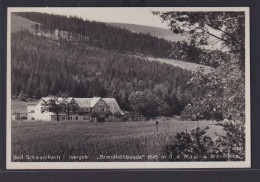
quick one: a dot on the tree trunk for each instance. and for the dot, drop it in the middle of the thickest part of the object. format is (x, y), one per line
(68, 113)
(57, 114)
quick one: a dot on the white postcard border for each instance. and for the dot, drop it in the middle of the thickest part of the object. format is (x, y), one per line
(131, 165)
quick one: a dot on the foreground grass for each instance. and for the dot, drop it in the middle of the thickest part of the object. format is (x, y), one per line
(80, 138)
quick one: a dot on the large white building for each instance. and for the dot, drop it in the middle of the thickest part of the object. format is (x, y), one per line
(95, 109)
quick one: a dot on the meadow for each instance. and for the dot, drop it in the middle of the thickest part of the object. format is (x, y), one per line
(44, 141)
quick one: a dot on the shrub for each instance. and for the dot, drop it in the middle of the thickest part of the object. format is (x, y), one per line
(196, 146)
(233, 143)
(133, 116)
(190, 146)
(203, 108)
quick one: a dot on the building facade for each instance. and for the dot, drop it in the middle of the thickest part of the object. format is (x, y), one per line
(90, 109)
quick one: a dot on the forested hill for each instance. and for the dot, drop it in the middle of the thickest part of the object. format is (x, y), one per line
(70, 56)
(99, 34)
(41, 67)
(111, 37)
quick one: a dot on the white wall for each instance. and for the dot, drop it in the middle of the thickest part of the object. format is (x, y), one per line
(30, 108)
(38, 115)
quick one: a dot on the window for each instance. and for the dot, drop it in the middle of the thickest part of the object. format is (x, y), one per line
(70, 117)
(101, 103)
(85, 117)
(76, 117)
(63, 118)
(104, 109)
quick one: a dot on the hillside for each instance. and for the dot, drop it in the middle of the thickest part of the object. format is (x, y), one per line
(19, 23)
(114, 38)
(154, 31)
(100, 60)
(181, 64)
(40, 66)
(97, 34)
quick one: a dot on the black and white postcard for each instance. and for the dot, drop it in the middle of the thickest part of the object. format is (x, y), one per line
(128, 88)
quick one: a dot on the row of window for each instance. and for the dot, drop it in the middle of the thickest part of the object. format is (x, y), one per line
(85, 109)
(100, 109)
(76, 118)
(61, 117)
(96, 109)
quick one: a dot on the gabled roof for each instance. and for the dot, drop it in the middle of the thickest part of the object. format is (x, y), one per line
(52, 97)
(87, 102)
(58, 98)
(113, 105)
(83, 102)
(94, 100)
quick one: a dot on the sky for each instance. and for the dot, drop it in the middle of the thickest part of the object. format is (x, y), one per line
(140, 16)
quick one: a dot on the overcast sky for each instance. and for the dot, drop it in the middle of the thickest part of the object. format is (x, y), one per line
(140, 16)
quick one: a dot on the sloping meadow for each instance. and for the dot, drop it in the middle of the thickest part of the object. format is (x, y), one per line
(109, 141)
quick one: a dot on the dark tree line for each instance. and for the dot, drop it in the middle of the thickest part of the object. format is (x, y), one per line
(99, 34)
(41, 67)
(108, 37)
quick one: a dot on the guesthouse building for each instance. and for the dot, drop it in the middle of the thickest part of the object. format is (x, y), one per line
(90, 109)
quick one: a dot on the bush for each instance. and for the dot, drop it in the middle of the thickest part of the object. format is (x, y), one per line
(234, 141)
(190, 146)
(196, 146)
(133, 116)
(203, 108)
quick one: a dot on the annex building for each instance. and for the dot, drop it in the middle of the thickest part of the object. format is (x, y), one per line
(92, 109)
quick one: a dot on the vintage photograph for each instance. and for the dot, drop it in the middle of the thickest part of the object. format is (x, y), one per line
(92, 88)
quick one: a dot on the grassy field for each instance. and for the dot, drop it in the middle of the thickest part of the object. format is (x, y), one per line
(180, 64)
(19, 23)
(79, 138)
